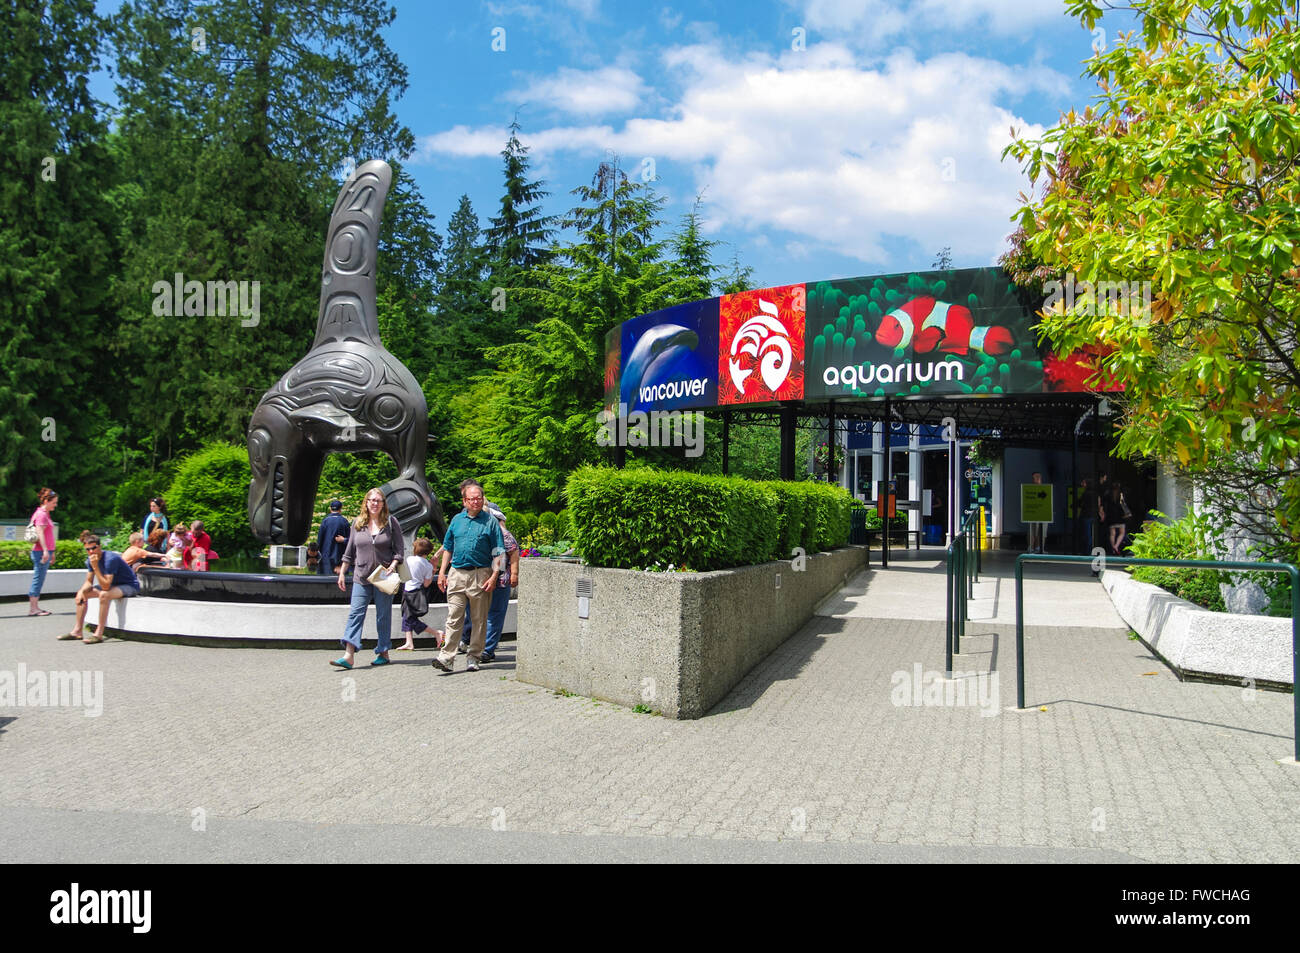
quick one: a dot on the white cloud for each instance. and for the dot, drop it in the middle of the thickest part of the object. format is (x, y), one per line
(836, 153)
(869, 22)
(585, 92)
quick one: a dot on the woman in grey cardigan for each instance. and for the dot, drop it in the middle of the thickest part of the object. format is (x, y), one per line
(376, 540)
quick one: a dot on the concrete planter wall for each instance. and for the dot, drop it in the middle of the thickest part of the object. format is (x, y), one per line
(674, 642)
(1199, 643)
(58, 582)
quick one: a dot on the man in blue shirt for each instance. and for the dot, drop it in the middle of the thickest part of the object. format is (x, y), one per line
(500, 603)
(109, 577)
(333, 538)
(475, 550)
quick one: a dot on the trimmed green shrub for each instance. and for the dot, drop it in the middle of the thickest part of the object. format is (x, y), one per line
(1188, 538)
(825, 517)
(212, 485)
(644, 517)
(874, 521)
(68, 554)
(791, 507)
(521, 524)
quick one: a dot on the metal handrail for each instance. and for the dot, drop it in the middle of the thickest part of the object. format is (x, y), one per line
(963, 573)
(1108, 561)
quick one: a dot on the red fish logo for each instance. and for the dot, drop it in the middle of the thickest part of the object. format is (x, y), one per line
(929, 325)
(763, 337)
(761, 346)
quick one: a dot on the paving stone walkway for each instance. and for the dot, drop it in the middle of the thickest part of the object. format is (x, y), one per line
(819, 743)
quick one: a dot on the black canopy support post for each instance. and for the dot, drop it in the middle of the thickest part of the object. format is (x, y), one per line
(882, 505)
(787, 443)
(831, 470)
(620, 445)
(954, 479)
(1096, 443)
(1073, 496)
(726, 442)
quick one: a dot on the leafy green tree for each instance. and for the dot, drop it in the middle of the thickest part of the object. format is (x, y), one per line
(212, 485)
(1184, 173)
(56, 256)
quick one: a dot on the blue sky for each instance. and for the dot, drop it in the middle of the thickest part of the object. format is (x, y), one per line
(827, 138)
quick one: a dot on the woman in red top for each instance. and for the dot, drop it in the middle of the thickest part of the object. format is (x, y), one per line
(42, 549)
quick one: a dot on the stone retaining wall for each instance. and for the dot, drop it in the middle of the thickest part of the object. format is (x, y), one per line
(1203, 644)
(673, 642)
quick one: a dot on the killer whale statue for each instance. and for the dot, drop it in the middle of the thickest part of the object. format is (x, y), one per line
(347, 394)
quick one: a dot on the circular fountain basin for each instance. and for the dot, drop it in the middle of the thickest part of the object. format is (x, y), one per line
(266, 588)
(266, 610)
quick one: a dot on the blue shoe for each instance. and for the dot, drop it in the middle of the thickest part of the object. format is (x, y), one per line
(341, 663)
(379, 660)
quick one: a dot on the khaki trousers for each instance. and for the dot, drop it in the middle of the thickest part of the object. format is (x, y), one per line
(466, 586)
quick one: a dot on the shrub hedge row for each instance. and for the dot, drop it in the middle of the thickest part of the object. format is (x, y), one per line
(68, 554)
(637, 519)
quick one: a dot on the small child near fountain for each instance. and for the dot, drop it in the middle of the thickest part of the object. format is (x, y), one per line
(415, 598)
(178, 541)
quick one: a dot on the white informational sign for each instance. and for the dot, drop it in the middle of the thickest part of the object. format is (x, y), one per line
(16, 530)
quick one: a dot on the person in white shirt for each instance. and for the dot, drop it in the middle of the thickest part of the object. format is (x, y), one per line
(421, 570)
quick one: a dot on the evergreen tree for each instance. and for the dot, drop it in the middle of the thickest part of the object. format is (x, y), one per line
(462, 311)
(534, 419)
(409, 252)
(519, 235)
(516, 240)
(236, 117)
(463, 301)
(56, 255)
(694, 261)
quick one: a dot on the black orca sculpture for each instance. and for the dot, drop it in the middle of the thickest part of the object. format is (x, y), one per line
(347, 394)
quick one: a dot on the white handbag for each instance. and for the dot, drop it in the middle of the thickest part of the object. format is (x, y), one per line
(389, 582)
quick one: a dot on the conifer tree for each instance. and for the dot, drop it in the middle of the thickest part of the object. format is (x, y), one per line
(56, 257)
(516, 240)
(238, 119)
(534, 419)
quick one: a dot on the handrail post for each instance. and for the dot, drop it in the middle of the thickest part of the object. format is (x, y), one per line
(1295, 657)
(1020, 632)
(970, 567)
(948, 629)
(1291, 569)
(956, 597)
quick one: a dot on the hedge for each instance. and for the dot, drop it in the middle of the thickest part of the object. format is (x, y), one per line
(212, 485)
(637, 519)
(68, 554)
